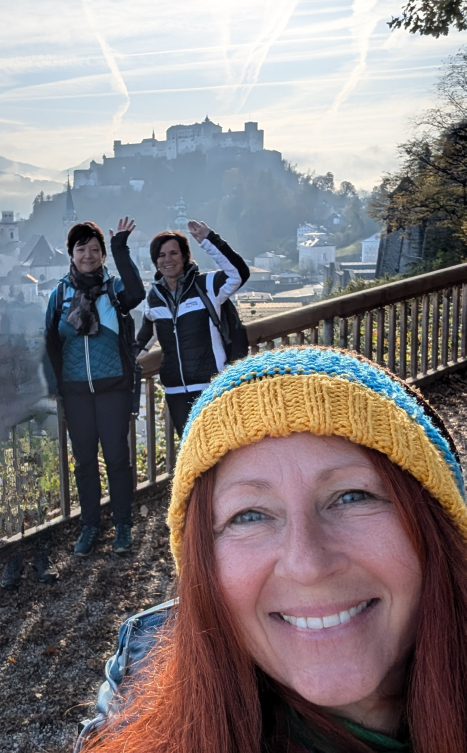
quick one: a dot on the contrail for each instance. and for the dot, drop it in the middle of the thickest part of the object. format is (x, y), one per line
(278, 16)
(118, 83)
(363, 25)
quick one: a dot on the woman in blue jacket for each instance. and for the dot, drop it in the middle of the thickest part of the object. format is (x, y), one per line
(93, 372)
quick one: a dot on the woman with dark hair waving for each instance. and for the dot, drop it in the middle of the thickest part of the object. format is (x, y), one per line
(92, 370)
(191, 344)
(319, 528)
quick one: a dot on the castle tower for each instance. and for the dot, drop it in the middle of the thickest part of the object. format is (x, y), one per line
(70, 217)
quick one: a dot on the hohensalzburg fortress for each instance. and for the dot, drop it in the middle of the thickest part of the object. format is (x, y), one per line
(182, 139)
(206, 138)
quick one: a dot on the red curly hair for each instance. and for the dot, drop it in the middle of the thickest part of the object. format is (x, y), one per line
(201, 693)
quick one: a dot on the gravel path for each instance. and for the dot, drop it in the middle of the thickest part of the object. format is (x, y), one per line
(55, 640)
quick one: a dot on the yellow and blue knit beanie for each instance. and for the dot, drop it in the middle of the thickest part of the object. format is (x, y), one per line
(323, 391)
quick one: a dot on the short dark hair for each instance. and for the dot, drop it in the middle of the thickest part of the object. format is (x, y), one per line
(82, 233)
(170, 235)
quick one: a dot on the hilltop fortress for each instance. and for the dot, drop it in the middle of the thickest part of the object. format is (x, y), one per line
(207, 138)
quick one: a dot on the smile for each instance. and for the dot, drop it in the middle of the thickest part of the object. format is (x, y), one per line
(331, 620)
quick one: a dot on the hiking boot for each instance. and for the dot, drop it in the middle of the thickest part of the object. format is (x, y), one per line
(46, 572)
(11, 575)
(85, 543)
(123, 540)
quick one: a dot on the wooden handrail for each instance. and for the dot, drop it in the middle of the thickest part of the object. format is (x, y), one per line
(280, 325)
(355, 303)
(416, 327)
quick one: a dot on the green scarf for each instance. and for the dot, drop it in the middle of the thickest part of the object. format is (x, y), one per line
(315, 742)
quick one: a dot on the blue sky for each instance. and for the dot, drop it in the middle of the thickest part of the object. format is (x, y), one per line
(328, 82)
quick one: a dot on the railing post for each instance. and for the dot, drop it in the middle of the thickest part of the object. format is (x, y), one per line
(314, 336)
(328, 331)
(300, 337)
(435, 333)
(132, 444)
(356, 333)
(464, 322)
(63, 462)
(285, 340)
(254, 349)
(414, 338)
(343, 333)
(392, 338)
(403, 340)
(169, 442)
(151, 429)
(380, 337)
(455, 324)
(445, 328)
(425, 323)
(369, 334)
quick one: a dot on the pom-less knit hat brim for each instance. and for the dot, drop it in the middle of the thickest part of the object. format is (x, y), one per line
(323, 391)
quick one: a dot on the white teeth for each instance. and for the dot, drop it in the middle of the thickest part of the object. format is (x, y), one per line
(315, 623)
(332, 620)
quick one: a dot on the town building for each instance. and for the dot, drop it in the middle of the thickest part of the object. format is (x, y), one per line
(9, 232)
(370, 248)
(269, 261)
(314, 253)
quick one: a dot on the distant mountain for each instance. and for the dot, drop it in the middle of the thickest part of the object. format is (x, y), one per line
(28, 171)
(20, 183)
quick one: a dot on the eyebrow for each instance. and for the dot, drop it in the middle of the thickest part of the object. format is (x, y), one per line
(264, 485)
(257, 483)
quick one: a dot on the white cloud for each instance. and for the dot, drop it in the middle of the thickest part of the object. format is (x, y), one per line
(326, 81)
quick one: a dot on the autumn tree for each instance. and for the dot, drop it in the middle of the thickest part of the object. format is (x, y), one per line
(430, 189)
(432, 17)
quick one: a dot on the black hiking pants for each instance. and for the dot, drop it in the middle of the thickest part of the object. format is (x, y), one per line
(101, 416)
(179, 408)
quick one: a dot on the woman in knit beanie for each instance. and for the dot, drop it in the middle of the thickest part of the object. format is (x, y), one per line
(318, 526)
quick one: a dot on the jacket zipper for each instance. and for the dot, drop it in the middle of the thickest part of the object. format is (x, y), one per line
(174, 317)
(88, 363)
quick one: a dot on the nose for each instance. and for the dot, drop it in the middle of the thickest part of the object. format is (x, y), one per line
(309, 553)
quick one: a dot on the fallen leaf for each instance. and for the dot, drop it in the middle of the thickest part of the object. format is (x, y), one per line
(12, 659)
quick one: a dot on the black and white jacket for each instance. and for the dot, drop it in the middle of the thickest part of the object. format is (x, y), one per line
(191, 345)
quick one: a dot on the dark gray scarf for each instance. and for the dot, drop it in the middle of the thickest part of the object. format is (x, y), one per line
(82, 314)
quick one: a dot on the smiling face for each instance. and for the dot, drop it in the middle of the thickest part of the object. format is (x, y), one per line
(170, 261)
(317, 570)
(88, 257)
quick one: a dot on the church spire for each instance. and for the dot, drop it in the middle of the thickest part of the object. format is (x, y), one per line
(69, 216)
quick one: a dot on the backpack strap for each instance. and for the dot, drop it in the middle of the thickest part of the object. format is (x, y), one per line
(221, 324)
(209, 306)
(60, 292)
(110, 290)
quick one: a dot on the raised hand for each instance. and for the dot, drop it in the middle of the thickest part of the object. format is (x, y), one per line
(199, 230)
(124, 226)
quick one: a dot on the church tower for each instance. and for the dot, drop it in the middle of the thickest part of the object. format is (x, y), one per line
(181, 222)
(70, 217)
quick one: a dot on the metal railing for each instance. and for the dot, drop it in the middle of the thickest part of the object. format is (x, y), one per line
(416, 327)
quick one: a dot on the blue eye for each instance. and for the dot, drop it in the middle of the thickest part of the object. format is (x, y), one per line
(249, 516)
(354, 496)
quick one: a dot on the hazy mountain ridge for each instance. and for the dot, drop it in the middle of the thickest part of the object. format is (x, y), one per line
(21, 182)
